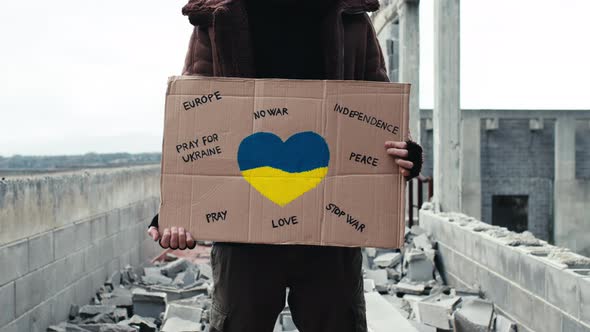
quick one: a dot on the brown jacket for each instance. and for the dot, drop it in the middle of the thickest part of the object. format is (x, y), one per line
(221, 43)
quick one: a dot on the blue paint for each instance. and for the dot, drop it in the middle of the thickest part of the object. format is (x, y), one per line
(301, 152)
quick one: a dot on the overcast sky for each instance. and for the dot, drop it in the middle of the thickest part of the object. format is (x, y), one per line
(90, 75)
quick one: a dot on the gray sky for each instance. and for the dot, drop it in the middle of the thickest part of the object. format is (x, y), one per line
(90, 76)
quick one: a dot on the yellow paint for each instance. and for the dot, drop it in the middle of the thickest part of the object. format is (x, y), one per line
(283, 187)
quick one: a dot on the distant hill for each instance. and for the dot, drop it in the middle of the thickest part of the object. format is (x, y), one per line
(90, 160)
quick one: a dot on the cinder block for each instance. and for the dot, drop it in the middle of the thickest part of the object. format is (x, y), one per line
(41, 316)
(510, 262)
(489, 254)
(107, 250)
(14, 261)
(125, 217)
(98, 277)
(62, 302)
(83, 290)
(532, 275)
(19, 325)
(83, 237)
(69, 269)
(41, 250)
(466, 269)
(7, 304)
(584, 285)
(35, 288)
(446, 258)
(520, 304)
(112, 222)
(134, 256)
(562, 290)
(570, 325)
(547, 317)
(64, 241)
(91, 258)
(98, 228)
(495, 288)
(112, 266)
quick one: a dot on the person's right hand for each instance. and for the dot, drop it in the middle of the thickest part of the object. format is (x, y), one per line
(173, 238)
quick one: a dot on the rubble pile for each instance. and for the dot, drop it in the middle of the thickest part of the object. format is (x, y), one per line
(410, 280)
(174, 295)
(170, 296)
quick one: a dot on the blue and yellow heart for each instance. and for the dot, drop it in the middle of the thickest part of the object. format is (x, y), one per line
(282, 171)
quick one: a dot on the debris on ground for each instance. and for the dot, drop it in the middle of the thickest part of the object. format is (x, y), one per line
(410, 281)
(173, 294)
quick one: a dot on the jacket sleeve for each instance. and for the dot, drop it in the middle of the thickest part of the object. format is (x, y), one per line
(199, 57)
(375, 69)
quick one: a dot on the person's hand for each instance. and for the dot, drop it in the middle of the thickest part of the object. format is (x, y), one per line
(400, 153)
(173, 238)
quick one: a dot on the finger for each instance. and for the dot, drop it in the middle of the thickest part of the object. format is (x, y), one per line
(173, 238)
(402, 153)
(395, 144)
(181, 238)
(404, 163)
(153, 233)
(165, 241)
(190, 241)
(404, 172)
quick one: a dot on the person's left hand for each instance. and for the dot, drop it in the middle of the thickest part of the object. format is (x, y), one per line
(400, 153)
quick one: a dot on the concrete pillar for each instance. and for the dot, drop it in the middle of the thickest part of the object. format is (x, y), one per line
(564, 191)
(409, 58)
(447, 111)
(471, 167)
(565, 149)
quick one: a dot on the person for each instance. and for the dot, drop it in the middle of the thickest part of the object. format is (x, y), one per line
(294, 39)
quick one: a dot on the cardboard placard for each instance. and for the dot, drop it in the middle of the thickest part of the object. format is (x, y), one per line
(284, 161)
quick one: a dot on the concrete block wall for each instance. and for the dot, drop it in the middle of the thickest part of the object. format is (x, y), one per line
(42, 274)
(529, 284)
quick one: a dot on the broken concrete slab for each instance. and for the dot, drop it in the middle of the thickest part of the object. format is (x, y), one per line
(192, 313)
(148, 304)
(142, 323)
(120, 297)
(184, 279)
(369, 285)
(407, 288)
(504, 324)
(175, 267)
(475, 315)
(422, 242)
(382, 316)
(174, 293)
(91, 310)
(437, 311)
(107, 328)
(418, 266)
(389, 259)
(66, 327)
(175, 324)
(114, 280)
(121, 314)
(155, 279)
(379, 276)
(423, 327)
(152, 271)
